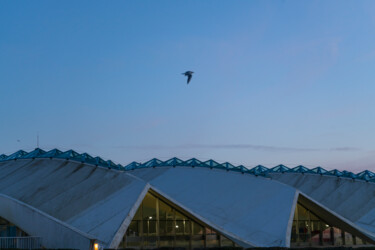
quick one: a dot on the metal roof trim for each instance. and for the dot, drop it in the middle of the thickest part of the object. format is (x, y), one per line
(365, 175)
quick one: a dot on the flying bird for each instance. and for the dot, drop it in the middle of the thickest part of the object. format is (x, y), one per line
(189, 75)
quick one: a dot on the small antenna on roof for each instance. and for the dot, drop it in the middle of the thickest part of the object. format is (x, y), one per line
(37, 139)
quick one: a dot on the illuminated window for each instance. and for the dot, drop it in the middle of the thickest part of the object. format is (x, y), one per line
(160, 224)
(309, 230)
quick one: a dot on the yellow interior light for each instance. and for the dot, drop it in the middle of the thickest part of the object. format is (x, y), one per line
(96, 246)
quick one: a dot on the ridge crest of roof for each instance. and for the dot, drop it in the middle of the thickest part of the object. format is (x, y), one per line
(72, 155)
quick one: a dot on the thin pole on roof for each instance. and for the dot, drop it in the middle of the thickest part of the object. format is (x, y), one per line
(37, 139)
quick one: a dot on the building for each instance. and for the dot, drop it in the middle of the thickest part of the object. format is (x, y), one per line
(60, 199)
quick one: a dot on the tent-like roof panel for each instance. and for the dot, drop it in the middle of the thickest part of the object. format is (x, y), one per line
(351, 198)
(81, 195)
(226, 201)
(95, 196)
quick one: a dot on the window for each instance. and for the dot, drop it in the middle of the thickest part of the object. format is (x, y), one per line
(158, 224)
(7, 229)
(309, 230)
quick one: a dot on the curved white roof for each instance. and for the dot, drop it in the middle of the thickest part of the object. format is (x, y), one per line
(350, 198)
(241, 206)
(99, 203)
(92, 199)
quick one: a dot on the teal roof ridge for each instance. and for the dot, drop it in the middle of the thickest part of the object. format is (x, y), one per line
(67, 155)
(16, 155)
(173, 162)
(258, 170)
(132, 166)
(211, 164)
(51, 154)
(335, 172)
(72, 155)
(300, 169)
(319, 170)
(193, 162)
(366, 175)
(228, 166)
(279, 169)
(3, 156)
(33, 154)
(151, 163)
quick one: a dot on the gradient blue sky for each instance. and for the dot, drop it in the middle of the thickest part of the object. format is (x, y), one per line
(288, 82)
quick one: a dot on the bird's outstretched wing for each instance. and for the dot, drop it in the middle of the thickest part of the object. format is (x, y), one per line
(189, 78)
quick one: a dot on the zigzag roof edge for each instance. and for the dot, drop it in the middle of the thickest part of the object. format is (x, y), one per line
(364, 175)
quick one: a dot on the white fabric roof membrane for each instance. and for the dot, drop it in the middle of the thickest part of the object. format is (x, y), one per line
(251, 209)
(94, 200)
(352, 199)
(99, 202)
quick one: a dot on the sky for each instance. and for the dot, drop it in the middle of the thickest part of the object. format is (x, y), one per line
(275, 82)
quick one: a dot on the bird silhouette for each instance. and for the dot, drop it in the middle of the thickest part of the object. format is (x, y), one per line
(189, 75)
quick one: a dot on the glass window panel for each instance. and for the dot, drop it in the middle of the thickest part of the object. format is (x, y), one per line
(326, 235)
(315, 233)
(303, 231)
(213, 231)
(212, 240)
(3, 231)
(324, 225)
(180, 216)
(315, 227)
(359, 241)
(182, 227)
(166, 241)
(138, 215)
(179, 227)
(225, 242)
(303, 214)
(315, 240)
(187, 227)
(168, 228)
(162, 227)
(150, 241)
(134, 228)
(12, 231)
(313, 216)
(197, 229)
(183, 241)
(133, 241)
(149, 207)
(3, 221)
(197, 241)
(165, 211)
(309, 230)
(294, 232)
(208, 230)
(149, 227)
(348, 239)
(8, 229)
(337, 237)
